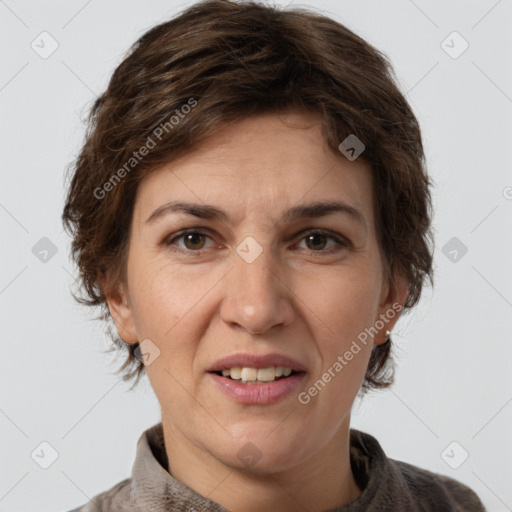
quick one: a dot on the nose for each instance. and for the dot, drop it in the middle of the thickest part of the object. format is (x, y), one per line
(257, 296)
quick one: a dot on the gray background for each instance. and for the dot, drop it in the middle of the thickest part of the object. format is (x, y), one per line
(454, 352)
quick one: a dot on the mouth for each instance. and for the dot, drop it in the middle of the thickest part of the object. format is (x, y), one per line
(257, 379)
(254, 376)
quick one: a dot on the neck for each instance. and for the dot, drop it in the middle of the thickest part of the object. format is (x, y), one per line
(319, 483)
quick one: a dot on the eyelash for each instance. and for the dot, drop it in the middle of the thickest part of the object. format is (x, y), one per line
(342, 242)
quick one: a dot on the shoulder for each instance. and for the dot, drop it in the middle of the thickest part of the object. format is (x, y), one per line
(393, 485)
(434, 489)
(117, 498)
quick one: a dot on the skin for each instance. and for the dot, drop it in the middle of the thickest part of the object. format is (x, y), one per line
(295, 299)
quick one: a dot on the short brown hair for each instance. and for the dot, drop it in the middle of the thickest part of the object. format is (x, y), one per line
(235, 59)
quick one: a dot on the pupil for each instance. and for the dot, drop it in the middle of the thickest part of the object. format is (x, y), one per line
(316, 236)
(192, 236)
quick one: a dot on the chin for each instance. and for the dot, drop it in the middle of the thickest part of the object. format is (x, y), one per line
(262, 462)
(263, 451)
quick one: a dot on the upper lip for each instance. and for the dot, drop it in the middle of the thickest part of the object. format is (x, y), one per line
(256, 361)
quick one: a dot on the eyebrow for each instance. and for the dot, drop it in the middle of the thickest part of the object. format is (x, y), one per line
(301, 212)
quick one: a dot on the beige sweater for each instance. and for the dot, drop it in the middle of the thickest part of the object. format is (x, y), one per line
(388, 485)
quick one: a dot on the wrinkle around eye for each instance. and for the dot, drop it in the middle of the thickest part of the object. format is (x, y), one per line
(341, 242)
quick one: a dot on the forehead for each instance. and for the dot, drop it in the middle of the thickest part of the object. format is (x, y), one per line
(260, 166)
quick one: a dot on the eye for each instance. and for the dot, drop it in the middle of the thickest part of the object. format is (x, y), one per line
(317, 240)
(192, 238)
(193, 241)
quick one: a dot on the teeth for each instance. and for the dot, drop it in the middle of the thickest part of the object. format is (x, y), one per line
(235, 373)
(267, 374)
(251, 376)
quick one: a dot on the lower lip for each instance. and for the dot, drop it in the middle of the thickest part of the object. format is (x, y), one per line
(259, 394)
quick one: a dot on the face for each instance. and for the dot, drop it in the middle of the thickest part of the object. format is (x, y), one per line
(263, 281)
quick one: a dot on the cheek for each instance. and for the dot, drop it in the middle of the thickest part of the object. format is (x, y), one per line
(344, 306)
(168, 308)
(344, 303)
(161, 296)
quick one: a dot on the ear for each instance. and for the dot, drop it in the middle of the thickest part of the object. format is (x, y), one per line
(391, 307)
(119, 306)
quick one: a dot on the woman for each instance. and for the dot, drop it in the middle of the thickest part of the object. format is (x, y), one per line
(229, 141)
